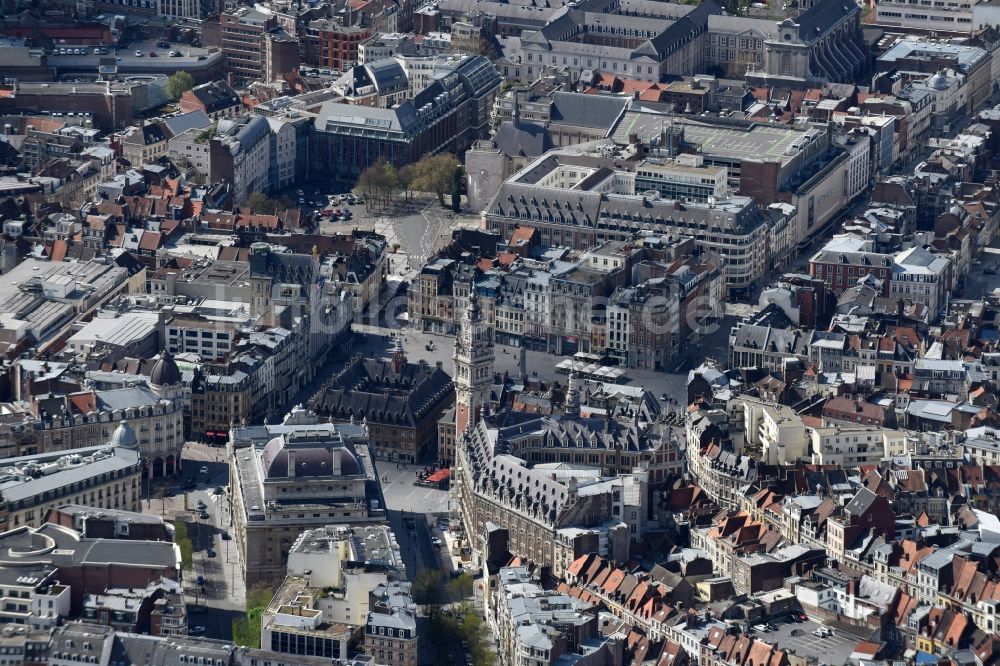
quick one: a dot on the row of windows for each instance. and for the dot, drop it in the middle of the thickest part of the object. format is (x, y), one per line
(205, 334)
(391, 632)
(315, 646)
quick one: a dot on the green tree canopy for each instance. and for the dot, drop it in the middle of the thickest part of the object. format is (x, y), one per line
(260, 203)
(246, 630)
(461, 587)
(464, 623)
(427, 588)
(178, 83)
(434, 174)
(183, 542)
(379, 183)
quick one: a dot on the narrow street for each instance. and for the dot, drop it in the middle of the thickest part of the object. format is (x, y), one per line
(214, 586)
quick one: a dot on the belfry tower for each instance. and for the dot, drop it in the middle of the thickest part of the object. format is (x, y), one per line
(473, 374)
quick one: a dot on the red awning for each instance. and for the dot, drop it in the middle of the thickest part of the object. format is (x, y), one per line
(439, 476)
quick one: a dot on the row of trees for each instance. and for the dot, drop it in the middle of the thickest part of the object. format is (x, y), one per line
(246, 630)
(430, 589)
(183, 542)
(439, 174)
(452, 617)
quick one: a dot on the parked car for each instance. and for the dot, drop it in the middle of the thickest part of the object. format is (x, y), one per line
(218, 490)
(176, 54)
(201, 505)
(210, 552)
(196, 631)
(204, 515)
(204, 469)
(225, 536)
(163, 44)
(138, 54)
(153, 54)
(436, 541)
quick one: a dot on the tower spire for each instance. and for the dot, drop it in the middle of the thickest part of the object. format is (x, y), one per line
(571, 405)
(398, 355)
(473, 369)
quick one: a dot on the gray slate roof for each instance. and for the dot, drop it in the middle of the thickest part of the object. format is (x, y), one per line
(126, 398)
(594, 111)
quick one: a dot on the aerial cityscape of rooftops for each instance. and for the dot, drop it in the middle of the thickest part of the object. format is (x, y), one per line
(500, 333)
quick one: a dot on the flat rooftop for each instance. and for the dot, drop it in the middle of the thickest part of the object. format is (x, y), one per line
(15, 487)
(754, 142)
(119, 331)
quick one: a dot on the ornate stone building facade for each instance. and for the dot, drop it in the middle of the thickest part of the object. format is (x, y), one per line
(102, 477)
(401, 403)
(552, 512)
(60, 412)
(294, 476)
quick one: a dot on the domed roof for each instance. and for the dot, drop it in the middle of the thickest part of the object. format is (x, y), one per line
(124, 436)
(938, 82)
(311, 459)
(165, 371)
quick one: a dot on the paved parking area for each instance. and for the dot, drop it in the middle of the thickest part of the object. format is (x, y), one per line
(798, 638)
(192, 57)
(833, 650)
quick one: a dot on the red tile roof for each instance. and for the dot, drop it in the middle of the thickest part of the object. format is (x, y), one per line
(58, 250)
(83, 403)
